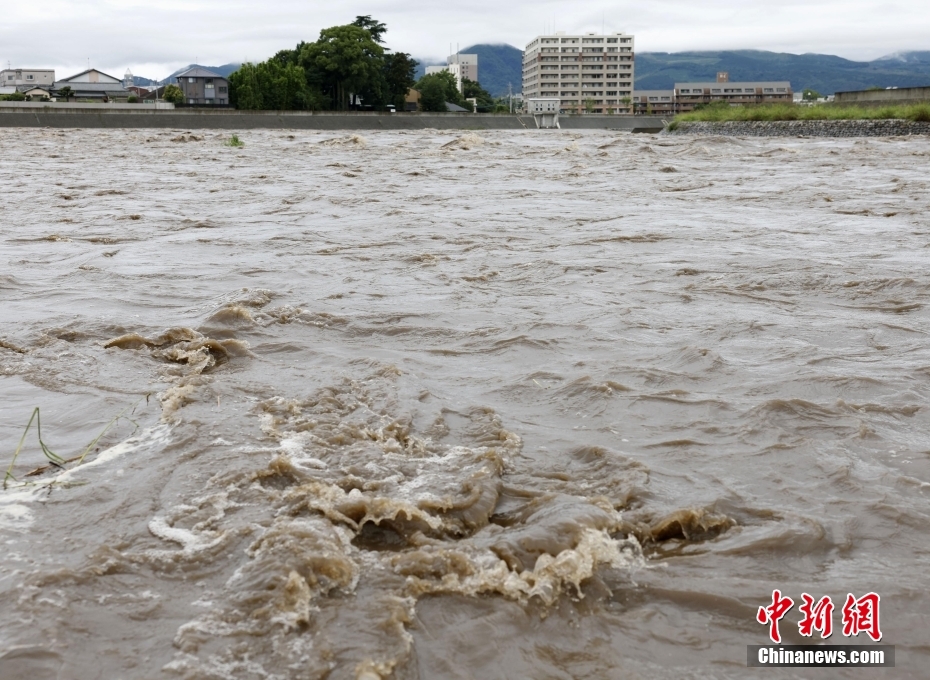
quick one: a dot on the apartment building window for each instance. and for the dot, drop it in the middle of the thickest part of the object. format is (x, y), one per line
(30, 77)
(714, 91)
(769, 90)
(611, 49)
(653, 99)
(782, 89)
(611, 40)
(593, 40)
(685, 91)
(612, 94)
(625, 40)
(11, 77)
(613, 58)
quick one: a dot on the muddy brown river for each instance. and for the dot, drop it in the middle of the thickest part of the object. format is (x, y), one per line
(454, 405)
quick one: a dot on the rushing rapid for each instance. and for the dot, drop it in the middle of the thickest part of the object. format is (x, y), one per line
(454, 405)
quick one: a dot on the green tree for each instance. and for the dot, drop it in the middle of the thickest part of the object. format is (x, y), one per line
(173, 94)
(347, 61)
(272, 85)
(375, 28)
(399, 71)
(442, 85)
(810, 95)
(66, 92)
(473, 90)
(432, 94)
(589, 105)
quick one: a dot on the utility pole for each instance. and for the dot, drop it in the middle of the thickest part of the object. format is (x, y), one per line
(510, 95)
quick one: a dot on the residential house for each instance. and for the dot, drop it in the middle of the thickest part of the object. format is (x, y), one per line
(93, 85)
(202, 87)
(412, 100)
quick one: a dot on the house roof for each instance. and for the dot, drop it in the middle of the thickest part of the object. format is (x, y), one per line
(101, 88)
(78, 75)
(199, 72)
(454, 107)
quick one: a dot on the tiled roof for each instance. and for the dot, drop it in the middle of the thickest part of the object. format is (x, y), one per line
(198, 72)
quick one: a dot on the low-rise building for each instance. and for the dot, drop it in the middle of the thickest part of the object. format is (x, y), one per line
(202, 87)
(92, 85)
(412, 100)
(27, 77)
(686, 97)
(654, 102)
(588, 73)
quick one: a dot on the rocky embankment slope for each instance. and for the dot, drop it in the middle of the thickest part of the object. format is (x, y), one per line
(804, 128)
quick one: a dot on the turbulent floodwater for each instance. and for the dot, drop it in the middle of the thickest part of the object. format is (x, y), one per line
(435, 405)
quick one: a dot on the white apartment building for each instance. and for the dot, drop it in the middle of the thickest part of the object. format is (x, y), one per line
(461, 66)
(588, 73)
(467, 63)
(454, 69)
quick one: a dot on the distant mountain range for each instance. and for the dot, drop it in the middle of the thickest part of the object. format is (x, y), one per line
(500, 65)
(822, 72)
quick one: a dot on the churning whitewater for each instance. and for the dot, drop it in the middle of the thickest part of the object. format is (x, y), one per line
(427, 404)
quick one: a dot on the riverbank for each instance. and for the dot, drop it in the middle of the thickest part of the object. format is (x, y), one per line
(722, 112)
(802, 128)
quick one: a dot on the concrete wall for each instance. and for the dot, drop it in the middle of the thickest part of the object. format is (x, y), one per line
(141, 116)
(904, 95)
(78, 107)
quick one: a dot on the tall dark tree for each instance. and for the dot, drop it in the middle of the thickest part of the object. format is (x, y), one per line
(399, 76)
(473, 90)
(348, 61)
(375, 28)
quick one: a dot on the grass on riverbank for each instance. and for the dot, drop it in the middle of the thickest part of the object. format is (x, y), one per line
(771, 112)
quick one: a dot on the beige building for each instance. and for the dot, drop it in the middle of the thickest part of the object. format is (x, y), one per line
(588, 73)
(467, 63)
(686, 96)
(27, 77)
(92, 85)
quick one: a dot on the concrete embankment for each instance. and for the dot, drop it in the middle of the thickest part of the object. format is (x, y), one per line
(805, 128)
(57, 116)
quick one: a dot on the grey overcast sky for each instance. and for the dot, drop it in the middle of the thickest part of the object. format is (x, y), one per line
(155, 38)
